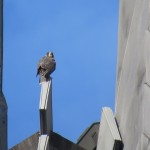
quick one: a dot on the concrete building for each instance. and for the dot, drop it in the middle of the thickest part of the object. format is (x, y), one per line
(132, 106)
(30, 143)
(3, 104)
(87, 141)
(133, 74)
(129, 128)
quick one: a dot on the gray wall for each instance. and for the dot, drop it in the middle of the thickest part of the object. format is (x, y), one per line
(132, 108)
(3, 123)
(30, 143)
(3, 104)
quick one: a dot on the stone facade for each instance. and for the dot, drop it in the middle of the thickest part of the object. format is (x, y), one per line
(30, 143)
(3, 104)
(133, 74)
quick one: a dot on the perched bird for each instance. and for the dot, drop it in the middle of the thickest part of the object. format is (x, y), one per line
(46, 66)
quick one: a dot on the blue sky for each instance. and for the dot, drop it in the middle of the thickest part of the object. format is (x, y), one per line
(83, 36)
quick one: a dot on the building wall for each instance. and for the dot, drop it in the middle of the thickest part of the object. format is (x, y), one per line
(133, 74)
(57, 142)
(3, 104)
(3, 123)
(30, 143)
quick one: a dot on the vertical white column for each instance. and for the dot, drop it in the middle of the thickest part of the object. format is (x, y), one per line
(109, 137)
(46, 119)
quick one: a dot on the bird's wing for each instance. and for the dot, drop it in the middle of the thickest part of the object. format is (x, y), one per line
(47, 63)
(39, 65)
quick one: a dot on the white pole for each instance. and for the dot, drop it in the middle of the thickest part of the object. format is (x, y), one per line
(46, 117)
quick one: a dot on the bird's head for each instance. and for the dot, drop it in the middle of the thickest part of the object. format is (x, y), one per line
(50, 54)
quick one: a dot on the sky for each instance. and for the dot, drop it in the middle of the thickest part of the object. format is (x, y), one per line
(83, 36)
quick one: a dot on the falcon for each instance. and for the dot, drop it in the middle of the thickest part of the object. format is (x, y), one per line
(46, 66)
